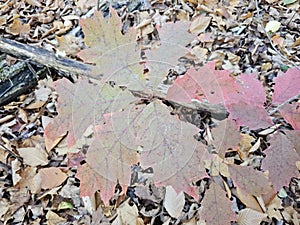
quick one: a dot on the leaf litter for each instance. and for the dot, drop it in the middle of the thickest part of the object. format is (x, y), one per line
(122, 121)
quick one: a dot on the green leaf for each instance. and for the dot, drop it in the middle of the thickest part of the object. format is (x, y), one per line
(65, 205)
(287, 2)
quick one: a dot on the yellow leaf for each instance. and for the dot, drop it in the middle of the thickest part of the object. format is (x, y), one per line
(273, 26)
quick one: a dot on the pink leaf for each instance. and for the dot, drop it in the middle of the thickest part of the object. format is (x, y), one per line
(226, 135)
(247, 114)
(291, 113)
(216, 207)
(281, 161)
(91, 181)
(286, 85)
(206, 83)
(252, 181)
(80, 105)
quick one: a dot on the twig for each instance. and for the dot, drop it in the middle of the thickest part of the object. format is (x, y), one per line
(283, 104)
(269, 38)
(11, 153)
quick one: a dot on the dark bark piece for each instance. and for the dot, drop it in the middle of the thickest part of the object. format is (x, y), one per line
(21, 80)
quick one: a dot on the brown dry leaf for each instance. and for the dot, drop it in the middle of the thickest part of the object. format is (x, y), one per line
(200, 53)
(18, 28)
(126, 214)
(273, 209)
(35, 105)
(248, 199)
(173, 202)
(28, 180)
(54, 219)
(23, 115)
(199, 24)
(68, 45)
(15, 168)
(51, 177)
(249, 217)
(205, 37)
(34, 156)
(217, 166)
(245, 145)
(296, 43)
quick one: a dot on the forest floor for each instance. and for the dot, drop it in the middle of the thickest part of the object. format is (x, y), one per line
(252, 178)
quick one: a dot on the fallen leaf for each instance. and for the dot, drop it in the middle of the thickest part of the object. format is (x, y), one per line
(172, 47)
(81, 105)
(248, 200)
(51, 177)
(34, 156)
(226, 135)
(286, 85)
(106, 42)
(199, 24)
(54, 219)
(280, 160)
(173, 202)
(126, 214)
(287, 2)
(216, 207)
(272, 26)
(249, 179)
(249, 217)
(18, 28)
(291, 114)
